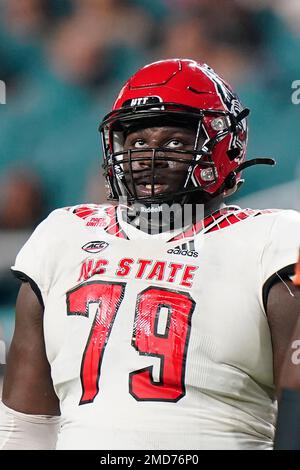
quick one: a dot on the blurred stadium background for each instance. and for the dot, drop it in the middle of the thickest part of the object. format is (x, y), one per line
(63, 62)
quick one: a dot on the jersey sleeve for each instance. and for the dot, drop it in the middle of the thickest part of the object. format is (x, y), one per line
(33, 263)
(281, 250)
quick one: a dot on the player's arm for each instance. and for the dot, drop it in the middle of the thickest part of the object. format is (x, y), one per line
(283, 308)
(288, 421)
(28, 418)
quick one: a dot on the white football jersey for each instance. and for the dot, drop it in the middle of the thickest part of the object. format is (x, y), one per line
(160, 341)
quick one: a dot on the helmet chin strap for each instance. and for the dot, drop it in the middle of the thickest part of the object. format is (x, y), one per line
(230, 180)
(255, 161)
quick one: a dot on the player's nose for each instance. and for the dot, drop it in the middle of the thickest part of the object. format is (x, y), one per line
(158, 159)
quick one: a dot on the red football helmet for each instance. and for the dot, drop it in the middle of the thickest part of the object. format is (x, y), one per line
(190, 94)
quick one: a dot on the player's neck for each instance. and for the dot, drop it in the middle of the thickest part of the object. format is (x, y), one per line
(158, 219)
(213, 205)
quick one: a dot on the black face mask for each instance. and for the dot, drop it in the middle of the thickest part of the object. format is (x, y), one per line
(120, 165)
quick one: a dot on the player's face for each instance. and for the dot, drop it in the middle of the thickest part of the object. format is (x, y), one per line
(168, 175)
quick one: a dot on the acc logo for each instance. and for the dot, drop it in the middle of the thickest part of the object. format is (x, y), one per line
(95, 247)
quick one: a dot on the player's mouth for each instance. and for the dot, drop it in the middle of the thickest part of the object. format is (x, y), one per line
(145, 189)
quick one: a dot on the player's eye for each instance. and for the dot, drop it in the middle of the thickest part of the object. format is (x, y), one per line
(174, 144)
(139, 143)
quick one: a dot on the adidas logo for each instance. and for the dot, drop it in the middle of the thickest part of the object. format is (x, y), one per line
(186, 249)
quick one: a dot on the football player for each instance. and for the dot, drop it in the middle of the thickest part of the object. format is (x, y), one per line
(144, 328)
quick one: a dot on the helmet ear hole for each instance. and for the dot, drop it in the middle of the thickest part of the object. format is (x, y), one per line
(234, 189)
(230, 181)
